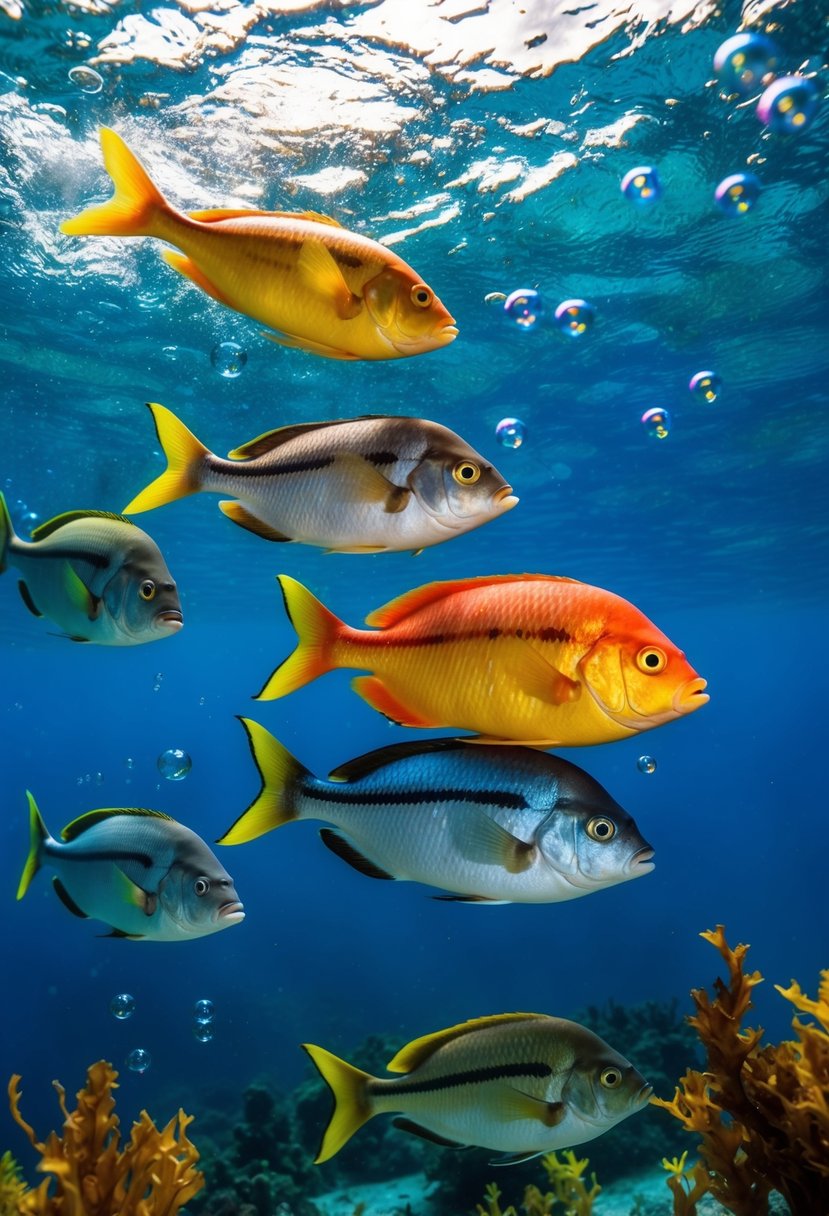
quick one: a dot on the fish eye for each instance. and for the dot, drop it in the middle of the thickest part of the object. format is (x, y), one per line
(466, 472)
(201, 886)
(421, 295)
(147, 589)
(652, 660)
(601, 829)
(611, 1078)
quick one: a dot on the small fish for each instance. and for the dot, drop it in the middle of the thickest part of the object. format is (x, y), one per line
(140, 872)
(522, 1083)
(325, 289)
(360, 485)
(541, 660)
(490, 824)
(96, 575)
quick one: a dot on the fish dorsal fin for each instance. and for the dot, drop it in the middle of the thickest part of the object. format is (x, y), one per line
(214, 214)
(419, 1050)
(271, 440)
(399, 609)
(88, 820)
(68, 517)
(363, 766)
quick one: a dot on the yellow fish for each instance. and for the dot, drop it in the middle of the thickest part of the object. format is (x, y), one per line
(327, 290)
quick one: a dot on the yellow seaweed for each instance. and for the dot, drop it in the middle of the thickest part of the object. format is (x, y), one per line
(570, 1195)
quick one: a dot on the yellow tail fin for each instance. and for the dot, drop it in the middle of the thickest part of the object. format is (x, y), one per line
(37, 834)
(317, 629)
(184, 455)
(275, 803)
(352, 1105)
(136, 204)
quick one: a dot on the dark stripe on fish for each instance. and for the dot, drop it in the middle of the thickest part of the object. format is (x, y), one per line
(347, 794)
(143, 859)
(474, 1076)
(241, 469)
(70, 555)
(548, 634)
(346, 259)
(381, 457)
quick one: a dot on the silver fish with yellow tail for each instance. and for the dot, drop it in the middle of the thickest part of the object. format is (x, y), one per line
(140, 872)
(361, 485)
(325, 289)
(489, 824)
(521, 1083)
(96, 575)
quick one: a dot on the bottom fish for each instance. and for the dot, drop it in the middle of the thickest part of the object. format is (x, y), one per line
(139, 871)
(522, 1083)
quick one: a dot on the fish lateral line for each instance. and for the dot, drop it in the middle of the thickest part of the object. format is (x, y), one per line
(384, 637)
(343, 792)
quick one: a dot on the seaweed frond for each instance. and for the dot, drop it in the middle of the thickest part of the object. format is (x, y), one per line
(570, 1195)
(12, 1186)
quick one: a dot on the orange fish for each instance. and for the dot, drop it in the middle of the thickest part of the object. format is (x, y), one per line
(546, 661)
(327, 290)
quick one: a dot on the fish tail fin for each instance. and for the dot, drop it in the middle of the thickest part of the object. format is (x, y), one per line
(184, 453)
(6, 533)
(38, 833)
(352, 1104)
(275, 803)
(135, 206)
(318, 630)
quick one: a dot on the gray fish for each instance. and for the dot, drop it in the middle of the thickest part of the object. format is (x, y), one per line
(490, 824)
(359, 485)
(523, 1083)
(139, 871)
(96, 575)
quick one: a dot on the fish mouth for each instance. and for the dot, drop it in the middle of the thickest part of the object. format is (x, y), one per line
(645, 1094)
(448, 333)
(232, 911)
(691, 696)
(642, 861)
(505, 499)
(171, 618)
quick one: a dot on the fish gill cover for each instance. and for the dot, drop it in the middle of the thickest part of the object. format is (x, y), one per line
(654, 392)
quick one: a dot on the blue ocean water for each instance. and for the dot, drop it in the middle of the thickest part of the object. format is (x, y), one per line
(487, 144)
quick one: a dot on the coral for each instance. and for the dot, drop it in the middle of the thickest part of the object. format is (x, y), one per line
(12, 1186)
(569, 1196)
(762, 1111)
(153, 1176)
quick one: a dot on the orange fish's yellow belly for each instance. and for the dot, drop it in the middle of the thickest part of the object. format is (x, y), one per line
(479, 686)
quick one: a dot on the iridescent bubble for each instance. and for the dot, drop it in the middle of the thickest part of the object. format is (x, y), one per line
(87, 79)
(575, 317)
(122, 1006)
(204, 1012)
(174, 764)
(744, 61)
(228, 358)
(657, 423)
(788, 105)
(139, 1060)
(524, 308)
(203, 1032)
(706, 386)
(642, 185)
(511, 432)
(646, 764)
(738, 193)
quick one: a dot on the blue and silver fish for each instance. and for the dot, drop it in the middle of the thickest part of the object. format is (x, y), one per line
(142, 873)
(489, 824)
(96, 575)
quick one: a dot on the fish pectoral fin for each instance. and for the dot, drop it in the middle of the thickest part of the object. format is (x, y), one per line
(26, 596)
(245, 519)
(315, 348)
(79, 594)
(486, 842)
(519, 1105)
(365, 483)
(66, 899)
(540, 679)
(415, 1129)
(129, 892)
(321, 274)
(373, 690)
(191, 271)
(347, 852)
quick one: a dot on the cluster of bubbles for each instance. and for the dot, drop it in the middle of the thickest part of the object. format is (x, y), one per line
(229, 359)
(646, 764)
(705, 386)
(524, 308)
(174, 764)
(203, 1015)
(511, 432)
(747, 62)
